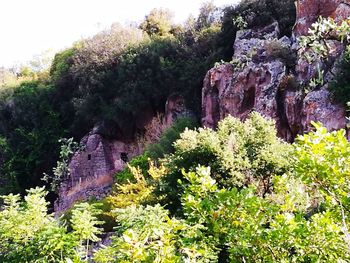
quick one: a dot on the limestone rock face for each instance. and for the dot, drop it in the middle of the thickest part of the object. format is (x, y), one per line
(317, 106)
(259, 78)
(308, 12)
(249, 84)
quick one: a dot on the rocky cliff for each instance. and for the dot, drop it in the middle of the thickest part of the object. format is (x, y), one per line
(92, 169)
(269, 76)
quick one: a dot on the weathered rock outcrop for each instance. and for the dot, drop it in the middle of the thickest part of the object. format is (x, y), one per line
(261, 78)
(237, 89)
(318, 107)
(308, 12)
(92, 169)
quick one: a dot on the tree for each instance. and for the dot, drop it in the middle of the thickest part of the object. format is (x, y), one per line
(322, 162)
(29, 234)
(85, 226)
(209, 14)
(42, 62)
(157, 22)
(6, 77)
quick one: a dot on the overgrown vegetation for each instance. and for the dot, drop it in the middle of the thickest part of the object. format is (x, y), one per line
(317, 46)
(234, 194)
(253, 14)
(268, 209)
(238, 154)
(31, 129)
(29, 234)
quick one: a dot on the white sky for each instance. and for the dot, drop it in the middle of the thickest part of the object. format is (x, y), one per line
(29, 27)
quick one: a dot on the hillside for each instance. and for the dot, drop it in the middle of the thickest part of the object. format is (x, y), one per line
(223, 139)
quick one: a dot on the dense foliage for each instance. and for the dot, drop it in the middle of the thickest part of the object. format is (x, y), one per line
(107, 82)
(238, 154)
(234, 194)
(301, 217)
(29, 234)
(31, 129)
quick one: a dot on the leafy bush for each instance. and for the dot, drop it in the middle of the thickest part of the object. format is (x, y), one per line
(322, 162)
(277, 50)
(314, 46)
(140, 162)
(166, 141)
(251, 228)
(238, 153)
(61, 171)
(138, 189)
(29, 234)
(147, 234)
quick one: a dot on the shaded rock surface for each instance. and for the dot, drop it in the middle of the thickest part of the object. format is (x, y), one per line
(318, 107)
(92, 169)
(261, 78)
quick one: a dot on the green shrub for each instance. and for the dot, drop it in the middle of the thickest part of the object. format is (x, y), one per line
(147, 234)
(137, 190)
(238, 153)
(29, 234)
(322, 162)
(277, 50)
(165, 145)
(141, 162)
(252, 228)
(32, 128)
